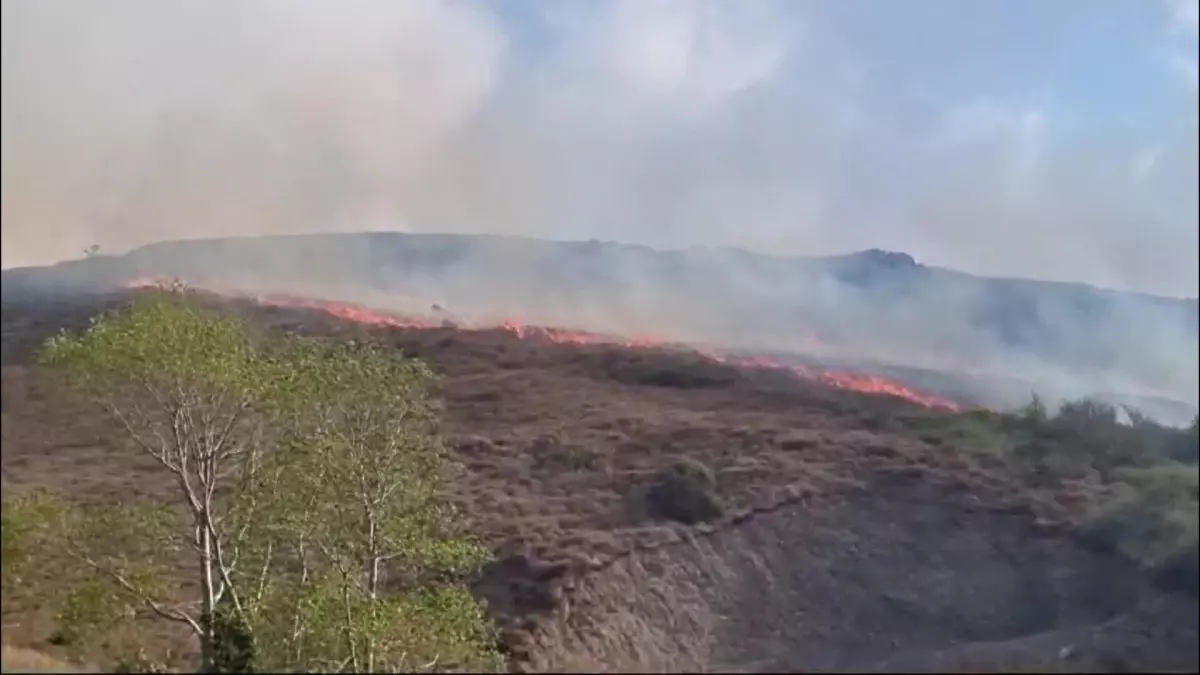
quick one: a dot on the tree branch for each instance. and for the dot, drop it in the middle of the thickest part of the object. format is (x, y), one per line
(168, 613)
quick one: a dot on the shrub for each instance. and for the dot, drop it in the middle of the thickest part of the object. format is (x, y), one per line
(1154, 518)
(1148, 469)
(685, 492)
(572, 458)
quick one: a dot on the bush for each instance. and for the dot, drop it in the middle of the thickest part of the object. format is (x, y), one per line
(1181, 572)
(1147, 469)
(685, 492)
(1154, 519)
(140, 662)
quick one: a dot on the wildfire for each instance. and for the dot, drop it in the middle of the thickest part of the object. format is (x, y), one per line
(870, 384)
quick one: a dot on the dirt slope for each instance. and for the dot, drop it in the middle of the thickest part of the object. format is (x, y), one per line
(900, 577)
(840, 548)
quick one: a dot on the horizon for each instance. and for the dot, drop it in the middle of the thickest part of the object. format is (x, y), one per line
(1006, 139)
(1065, 337)
(656, 249)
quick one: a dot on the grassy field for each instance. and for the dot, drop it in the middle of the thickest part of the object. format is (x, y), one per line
(575, 457)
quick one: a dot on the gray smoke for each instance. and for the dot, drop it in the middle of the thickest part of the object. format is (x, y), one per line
(782, 127)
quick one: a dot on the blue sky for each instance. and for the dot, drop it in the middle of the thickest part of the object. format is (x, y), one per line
(1050, 139)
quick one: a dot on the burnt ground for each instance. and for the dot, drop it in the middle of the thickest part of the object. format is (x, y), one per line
(845, 543)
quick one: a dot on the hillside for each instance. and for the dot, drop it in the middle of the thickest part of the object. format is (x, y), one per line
(998, 339)
(855, 532)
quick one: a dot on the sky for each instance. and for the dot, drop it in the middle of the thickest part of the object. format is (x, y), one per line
(1019, 138)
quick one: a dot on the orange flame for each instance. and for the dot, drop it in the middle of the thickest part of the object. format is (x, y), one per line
(870, 384)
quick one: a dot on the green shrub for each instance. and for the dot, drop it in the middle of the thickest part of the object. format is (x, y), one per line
(569, 457)
(685, 492)
(1149, 469)
(1154, 519)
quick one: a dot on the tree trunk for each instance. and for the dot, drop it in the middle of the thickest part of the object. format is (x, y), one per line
(208, 599)
(373, 590)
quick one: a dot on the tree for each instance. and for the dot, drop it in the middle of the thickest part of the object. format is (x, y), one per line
(185, 384)
(366, 511)
(310, 483)
(1034, 411)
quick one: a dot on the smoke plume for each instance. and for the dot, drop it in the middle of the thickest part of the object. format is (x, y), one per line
(1010, 138)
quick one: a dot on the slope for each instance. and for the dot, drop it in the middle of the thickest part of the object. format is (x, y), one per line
(849, 536)
(1064, 340)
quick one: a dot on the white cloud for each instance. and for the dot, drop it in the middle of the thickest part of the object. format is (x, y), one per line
(126, 121)
(1185, 16)
(1188, 68)
(681, 52)
(1144, 162)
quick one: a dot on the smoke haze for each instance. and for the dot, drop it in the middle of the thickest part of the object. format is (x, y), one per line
(1016, 138)
(969, 137)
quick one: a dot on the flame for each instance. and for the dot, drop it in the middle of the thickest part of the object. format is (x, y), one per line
(870, 384)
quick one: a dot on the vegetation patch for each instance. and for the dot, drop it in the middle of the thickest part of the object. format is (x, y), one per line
(667, 370)
(1143, 475)
(685, 492)
(329, 421)
(310, 528)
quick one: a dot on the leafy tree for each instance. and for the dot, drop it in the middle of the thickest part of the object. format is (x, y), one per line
(18, 528)
(365, 510)
(309, 482)
(184, 383)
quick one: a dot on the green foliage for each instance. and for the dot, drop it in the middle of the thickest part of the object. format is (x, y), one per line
(162, 342)
(104, 559)
(443, 625)
(114, 556)
(1148, 470)
(23, 523)
(364, 504)
(233, 642)
(685, 492)
(568, 457)
(334, 624)
(185, 383)
(975, 430)
(312, 486)
(1154, 519)
(363, 438)
(140, 662)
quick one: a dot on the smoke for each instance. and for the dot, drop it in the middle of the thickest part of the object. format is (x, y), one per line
(1013, 137)
(130, 121)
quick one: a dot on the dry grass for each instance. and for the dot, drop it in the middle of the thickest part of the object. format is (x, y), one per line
(558, 446)
(22, 660)
(556, 441)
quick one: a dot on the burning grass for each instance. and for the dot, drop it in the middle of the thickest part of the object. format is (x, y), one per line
(564, 437)
(869, 384)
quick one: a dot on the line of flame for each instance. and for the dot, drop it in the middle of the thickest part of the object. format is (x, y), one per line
(871, 384)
